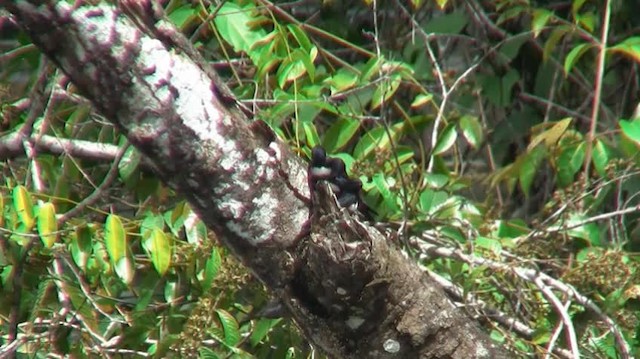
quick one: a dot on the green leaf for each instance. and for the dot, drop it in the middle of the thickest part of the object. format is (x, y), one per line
(511, 47)
(377, 138)
(631, 129)
(340, 133)
(421, 100)
(629, 47)
(47, 224)
(574, 55)
(570, 161)
(150, 222)
(431, 201)
(294, 67)
(230, 327)
(471, 130)
(158, 246)
(181, 15)
(206, 353)
(300, 36)
(211, 268)
(528, 168)
(446, 139)
(511, 229)
(540, 19)
(551, 44)
(81, 246)
(23, 206)
(116, 246)
(341, 81)
(261, 329)
(389, 198)
(232, 22)
(384, 91)
(129, 163)
(311, 134)
(576, 5)
(600, 157)
(372, 68)
(551, 136)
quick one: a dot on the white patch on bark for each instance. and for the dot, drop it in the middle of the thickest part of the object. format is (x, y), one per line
(481, 351)
(354, 322)
(233, 208)
(266, 210)
(391, 346)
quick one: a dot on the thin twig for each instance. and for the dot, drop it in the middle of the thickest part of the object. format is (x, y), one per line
(597, 91)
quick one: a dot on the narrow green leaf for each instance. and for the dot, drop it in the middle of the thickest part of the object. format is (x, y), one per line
(421, 100)
(116, 246)
(551, 44)
(230, 327)
(311, 134)
(574, 55)
(115, 239)
(601, 156)
(211, 268)
(540, 19)
(300, 36)
(47, 225)
(81, 246)
(158, 246)
(446, 139)
(23, 206)
(471, 130)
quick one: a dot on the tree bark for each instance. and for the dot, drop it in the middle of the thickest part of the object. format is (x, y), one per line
(351, 293)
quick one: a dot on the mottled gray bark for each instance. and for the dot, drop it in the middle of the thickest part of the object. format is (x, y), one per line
(352, 294)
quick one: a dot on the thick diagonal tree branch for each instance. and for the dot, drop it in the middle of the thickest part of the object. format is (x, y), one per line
(351, 293)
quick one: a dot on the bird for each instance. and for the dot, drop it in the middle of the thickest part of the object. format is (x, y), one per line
(334, 172)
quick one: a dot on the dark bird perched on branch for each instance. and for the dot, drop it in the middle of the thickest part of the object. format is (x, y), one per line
(333, 170)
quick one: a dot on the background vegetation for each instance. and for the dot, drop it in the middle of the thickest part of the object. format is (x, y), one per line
(499, 139)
